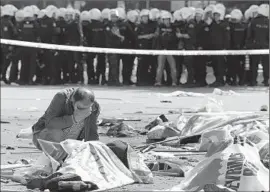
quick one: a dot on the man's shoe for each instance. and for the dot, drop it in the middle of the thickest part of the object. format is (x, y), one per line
(189, 85)
(217, 84)
(157, 85)
(252, 84)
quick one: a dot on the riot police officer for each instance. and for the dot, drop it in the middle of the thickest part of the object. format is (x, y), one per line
(258, 38)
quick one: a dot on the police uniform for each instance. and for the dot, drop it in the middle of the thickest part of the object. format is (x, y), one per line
(258, 38)
(220, 40)
(146, 70)
(189, 44)
(167, 41)
(14, 70)
(72, 37)
(179, 26)
(8, 31)
(128, 60)
(28, 32)
(113, 41)
(236, 62)
(202, 42)
(46, 31)
(96, 36)
(60, 56)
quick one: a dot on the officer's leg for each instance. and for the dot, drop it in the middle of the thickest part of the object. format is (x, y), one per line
(233, 69)
(71, 67)
(188, 62)
(152, 64)
(65, 57)
(172, 64)
(6, 62)
(265, 64)
(160, 69)
(14, 66)
(48, 66)
(79, 70)
(179, 67)
(53, 71)
(125, 69)
(90, 68)
(254, 69)
(219, 71)
(200, 70)
(113, 69)
(101, 68)
(141, 69)
(240, 68)
(128, 62)
(62, 65)
(32, 66)
(230, 73)
(168, 73)
(23, 70)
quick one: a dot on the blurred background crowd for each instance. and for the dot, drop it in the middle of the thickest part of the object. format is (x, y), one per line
(210, 27)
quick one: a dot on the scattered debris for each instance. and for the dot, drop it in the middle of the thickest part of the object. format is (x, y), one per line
(114, 121)
(175, 111)
(227, 93)
(182, 94)
(166, 101)
(160, 119)
(5, 122)
(30, 109)
(264, 108)
(4, 181)
(162, 132)
(10, 167)
(25, 133)
(122, 130)
(10, 148)
(25, 152)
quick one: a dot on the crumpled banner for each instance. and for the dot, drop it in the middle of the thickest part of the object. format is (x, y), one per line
(241, 123)
(224, 93)
(181, 94)
(94, 161)
(234, 164)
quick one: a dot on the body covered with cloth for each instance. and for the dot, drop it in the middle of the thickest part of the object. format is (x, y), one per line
(72, 114)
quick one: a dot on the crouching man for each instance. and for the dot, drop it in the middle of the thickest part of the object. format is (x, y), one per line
(72, 114)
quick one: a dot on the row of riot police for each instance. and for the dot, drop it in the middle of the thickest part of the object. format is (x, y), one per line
(185, 29)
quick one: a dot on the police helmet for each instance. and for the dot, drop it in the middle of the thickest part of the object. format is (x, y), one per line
(144, 12)
(122, 13)
(19, 15)
(42, 13)
(132, 16)
(154, 14)
(264, 10)
(186, 13)
(113, 12)
(105, 13)
(253, 9)
(166, 15)
(6, 12)
(85, 16)
(95, 14)
(35, 9)
(236, 14)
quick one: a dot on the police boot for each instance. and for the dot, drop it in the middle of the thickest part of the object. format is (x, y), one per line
(103, 80)
(190, 83)
(253, 83)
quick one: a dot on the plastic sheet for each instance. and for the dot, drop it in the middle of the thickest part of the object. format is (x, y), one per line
(235, 165)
